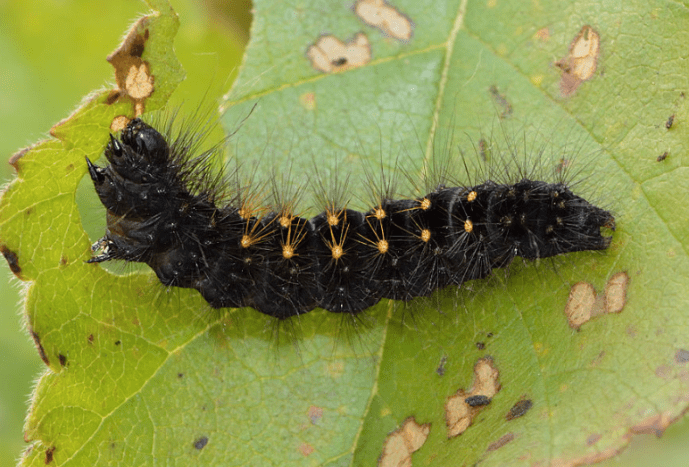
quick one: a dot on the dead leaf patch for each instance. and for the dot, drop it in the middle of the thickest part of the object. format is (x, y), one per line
(584, 302)
(504, 439)
(580, 304)
(616, 292)
(401, 443)
(132, 73)
(330, 55)
(12, 260)
(383, 16)
(461, 408)
(118, 123)
(582, 61)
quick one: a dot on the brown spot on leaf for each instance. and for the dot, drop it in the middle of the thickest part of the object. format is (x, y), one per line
(118, 123)
(308, 100)
(664, 372)
(39, 347)
(386, 18)
(662, 157)
(63, 359)
(401, 443)
(616, 292)
(113, 96)
(315, 414)
(580, 304)
(543, 34)
(12, 260)
(14, 159)
(501, 101)
(655, 425)
(682, 356)
(504, 439)
(585, 303)
(49, 454)
(139, 82)
(459, 414)
(329, 51)
(582, 61)
(201, 442)
(305, 449)
(519, 409)
(480, 345)
(132, 73)
(593, 439)
(597, 359)
(441, 366)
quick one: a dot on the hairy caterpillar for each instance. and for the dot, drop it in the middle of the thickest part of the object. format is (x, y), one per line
(160, 212)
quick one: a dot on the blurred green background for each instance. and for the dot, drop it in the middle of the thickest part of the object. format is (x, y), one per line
(52, 55)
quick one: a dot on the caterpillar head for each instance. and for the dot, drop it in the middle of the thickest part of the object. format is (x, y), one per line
(136, 182)
(140, 154)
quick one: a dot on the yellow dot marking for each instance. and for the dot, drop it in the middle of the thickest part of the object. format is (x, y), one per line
(285, 221)
(471, 196)
(468, 226)
(247, 241)
(333, 219)
(382, 246)
(337, 252)
(425, 235)
(287, 251)
(379, 213)
(425, 204)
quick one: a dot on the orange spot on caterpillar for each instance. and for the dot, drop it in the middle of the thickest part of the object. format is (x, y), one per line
(288, 251)
(285, 221)
(247, 241)
(337, 251)
(379, 213)
(383, 246)
(471, 196)
(333, 218)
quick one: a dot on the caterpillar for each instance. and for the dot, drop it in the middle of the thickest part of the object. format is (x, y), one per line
(163, 209)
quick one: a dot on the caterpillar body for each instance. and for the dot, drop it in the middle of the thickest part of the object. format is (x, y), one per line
(162, 210)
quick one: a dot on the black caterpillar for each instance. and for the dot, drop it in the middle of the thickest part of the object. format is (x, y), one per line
(159, 213)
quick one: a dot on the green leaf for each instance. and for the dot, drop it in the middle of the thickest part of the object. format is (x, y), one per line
(139, 374)
(592, 388)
